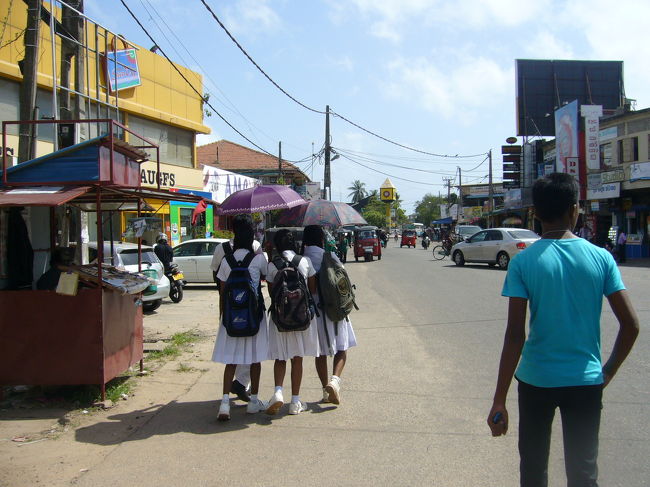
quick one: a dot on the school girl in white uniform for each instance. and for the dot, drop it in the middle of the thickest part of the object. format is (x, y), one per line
(292, 345)
(341, 335)
(242, 350)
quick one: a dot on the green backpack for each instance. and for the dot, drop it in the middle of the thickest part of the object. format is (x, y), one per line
(335, 289)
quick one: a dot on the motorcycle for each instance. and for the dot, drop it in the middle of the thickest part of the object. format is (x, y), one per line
(176, 282)
(425, 242)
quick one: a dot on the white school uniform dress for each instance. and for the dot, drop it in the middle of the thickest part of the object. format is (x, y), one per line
(345, 338)
(243, 350)
(284, 345)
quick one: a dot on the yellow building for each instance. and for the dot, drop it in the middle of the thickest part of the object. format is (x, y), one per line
(159, 105)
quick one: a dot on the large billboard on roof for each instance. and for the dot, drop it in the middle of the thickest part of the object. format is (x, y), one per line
(545, 85)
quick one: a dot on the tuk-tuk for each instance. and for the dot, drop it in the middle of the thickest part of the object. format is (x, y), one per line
(366, 243)
(409, 238)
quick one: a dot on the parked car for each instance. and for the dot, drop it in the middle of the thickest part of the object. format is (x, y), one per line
(495, 246)
(194, 258)
(461, 232)
(125, 256)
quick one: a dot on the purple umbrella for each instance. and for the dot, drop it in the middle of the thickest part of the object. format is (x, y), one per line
(322, 212)
(259, 199)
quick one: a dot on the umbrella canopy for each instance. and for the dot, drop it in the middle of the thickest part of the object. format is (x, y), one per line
(322, 212)
(259, 199)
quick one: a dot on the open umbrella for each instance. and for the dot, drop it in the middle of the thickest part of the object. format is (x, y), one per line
(322, 212)
(260, 198)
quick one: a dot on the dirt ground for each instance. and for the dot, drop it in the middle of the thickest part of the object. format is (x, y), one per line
(39, 428)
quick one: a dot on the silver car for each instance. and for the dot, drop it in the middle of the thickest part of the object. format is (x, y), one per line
(194, 258)
(495, 246)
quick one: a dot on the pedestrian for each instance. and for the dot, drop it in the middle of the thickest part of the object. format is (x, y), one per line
(248, 350)
(334, 339)
(621, 242)
(563, 279)
(342, 245)
(290, 345)
(241, 384)
(164, 252)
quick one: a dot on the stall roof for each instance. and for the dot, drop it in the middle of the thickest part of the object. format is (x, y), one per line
(41, 195)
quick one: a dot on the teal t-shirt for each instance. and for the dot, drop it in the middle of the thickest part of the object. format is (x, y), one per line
(564, 281)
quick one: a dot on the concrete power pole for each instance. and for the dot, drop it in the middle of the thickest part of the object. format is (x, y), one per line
(280, 161)
(327, 179)
(29, 69)
(459, 213)
(490, 192)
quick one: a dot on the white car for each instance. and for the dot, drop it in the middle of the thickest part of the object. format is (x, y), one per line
(495, 246)
(194, 258)
(125, 256)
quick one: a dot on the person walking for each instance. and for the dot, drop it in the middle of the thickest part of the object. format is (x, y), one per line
(248, 350)
(334, 339)
(290, 345)
(164, 251)
(562, 278)
(621, 242)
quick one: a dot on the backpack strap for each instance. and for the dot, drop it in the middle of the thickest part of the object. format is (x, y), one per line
(248, 259)
(233, 262)
(227, 248)
(296, 260)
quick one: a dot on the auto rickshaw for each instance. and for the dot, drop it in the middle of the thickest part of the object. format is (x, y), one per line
(366, 243)
(409, 238)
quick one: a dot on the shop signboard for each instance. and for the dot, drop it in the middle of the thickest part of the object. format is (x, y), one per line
(615, 176)
(608, 134)
(512, 199)
(222, 183)
(605, 191)
(639, 171)
(122, 69)
(592, 114)
(594, 181)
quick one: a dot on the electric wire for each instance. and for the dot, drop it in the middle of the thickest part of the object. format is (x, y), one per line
(314, 110)
(192, 86)
(389, 175)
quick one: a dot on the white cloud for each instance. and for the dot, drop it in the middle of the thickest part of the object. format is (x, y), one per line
(457, 90)
(252, 17)
(545, 45)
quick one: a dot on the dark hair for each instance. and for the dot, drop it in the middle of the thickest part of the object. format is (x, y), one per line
(313, 235)
(284, 240)
(241, 220)
(244, 234)
(554, 195)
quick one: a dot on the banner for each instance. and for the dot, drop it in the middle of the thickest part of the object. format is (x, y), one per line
(221, 183)
(592, 114)
(566, 134)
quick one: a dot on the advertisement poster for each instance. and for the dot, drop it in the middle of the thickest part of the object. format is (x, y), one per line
(221, 183)
(592, 114)
(122, 69)
(566, 134)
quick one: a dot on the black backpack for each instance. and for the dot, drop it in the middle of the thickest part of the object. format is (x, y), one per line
(291, 301)
(242, 308)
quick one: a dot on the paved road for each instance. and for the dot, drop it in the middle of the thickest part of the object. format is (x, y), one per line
(415, 394)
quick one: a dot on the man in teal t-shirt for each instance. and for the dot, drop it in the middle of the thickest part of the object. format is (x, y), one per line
(563, 279)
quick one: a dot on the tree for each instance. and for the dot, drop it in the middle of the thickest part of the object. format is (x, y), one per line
(375, 211)
(357, 191)
(428, 208)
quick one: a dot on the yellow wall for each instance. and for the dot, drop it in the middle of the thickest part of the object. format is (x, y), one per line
(171, 176)
(163, 95)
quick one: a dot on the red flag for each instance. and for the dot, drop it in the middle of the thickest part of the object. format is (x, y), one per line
(200, 208)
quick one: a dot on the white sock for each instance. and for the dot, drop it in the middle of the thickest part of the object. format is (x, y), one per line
(295, 399)
(336, 378)
(253, 397)
(225, 399)
(278, 389)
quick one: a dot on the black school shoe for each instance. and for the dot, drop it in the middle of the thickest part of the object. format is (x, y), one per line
(240, 391)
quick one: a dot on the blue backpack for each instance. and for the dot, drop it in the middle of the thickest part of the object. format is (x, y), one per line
(242, 310)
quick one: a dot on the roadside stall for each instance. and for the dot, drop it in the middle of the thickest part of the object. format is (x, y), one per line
(88, 327)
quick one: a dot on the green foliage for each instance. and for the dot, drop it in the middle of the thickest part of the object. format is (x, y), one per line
(428, 208)
(223, 234)
(357, 191)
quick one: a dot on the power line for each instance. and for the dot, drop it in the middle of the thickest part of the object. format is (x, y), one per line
(314, 110)
(382, 163)
(389, 175)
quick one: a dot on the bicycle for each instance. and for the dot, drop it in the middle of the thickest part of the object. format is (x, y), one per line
(442, 250)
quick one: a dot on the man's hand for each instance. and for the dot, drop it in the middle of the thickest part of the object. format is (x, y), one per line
(500, 414)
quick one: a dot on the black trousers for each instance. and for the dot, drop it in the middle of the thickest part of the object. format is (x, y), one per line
(580, 408)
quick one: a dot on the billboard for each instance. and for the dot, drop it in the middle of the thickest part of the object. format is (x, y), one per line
(122, 69)
(566, 136)
(545, 85)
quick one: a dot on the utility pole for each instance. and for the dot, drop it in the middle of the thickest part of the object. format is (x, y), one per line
(29, 68)
(327, 179)
(460, 194)
(280, 161)
(448, 181)
(490, 191)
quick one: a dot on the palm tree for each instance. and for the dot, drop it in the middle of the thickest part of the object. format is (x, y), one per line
(358, 191)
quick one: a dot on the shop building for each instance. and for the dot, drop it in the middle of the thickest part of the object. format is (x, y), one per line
(156, 102)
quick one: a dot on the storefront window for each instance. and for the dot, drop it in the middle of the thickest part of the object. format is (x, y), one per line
(154, 225)
(189, 231)
(605, 155)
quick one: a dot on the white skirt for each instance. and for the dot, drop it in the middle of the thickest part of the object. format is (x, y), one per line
(243, 351)
(284, 345)
(337, 342)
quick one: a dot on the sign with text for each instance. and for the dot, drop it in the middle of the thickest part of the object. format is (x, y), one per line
(605, 191)
(222, 183)
(639, 171)
(121, 69)
(592, 114)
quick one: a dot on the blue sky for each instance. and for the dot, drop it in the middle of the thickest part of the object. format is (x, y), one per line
(437, 75)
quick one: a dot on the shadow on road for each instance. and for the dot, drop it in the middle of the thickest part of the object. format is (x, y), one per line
(199, 418)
